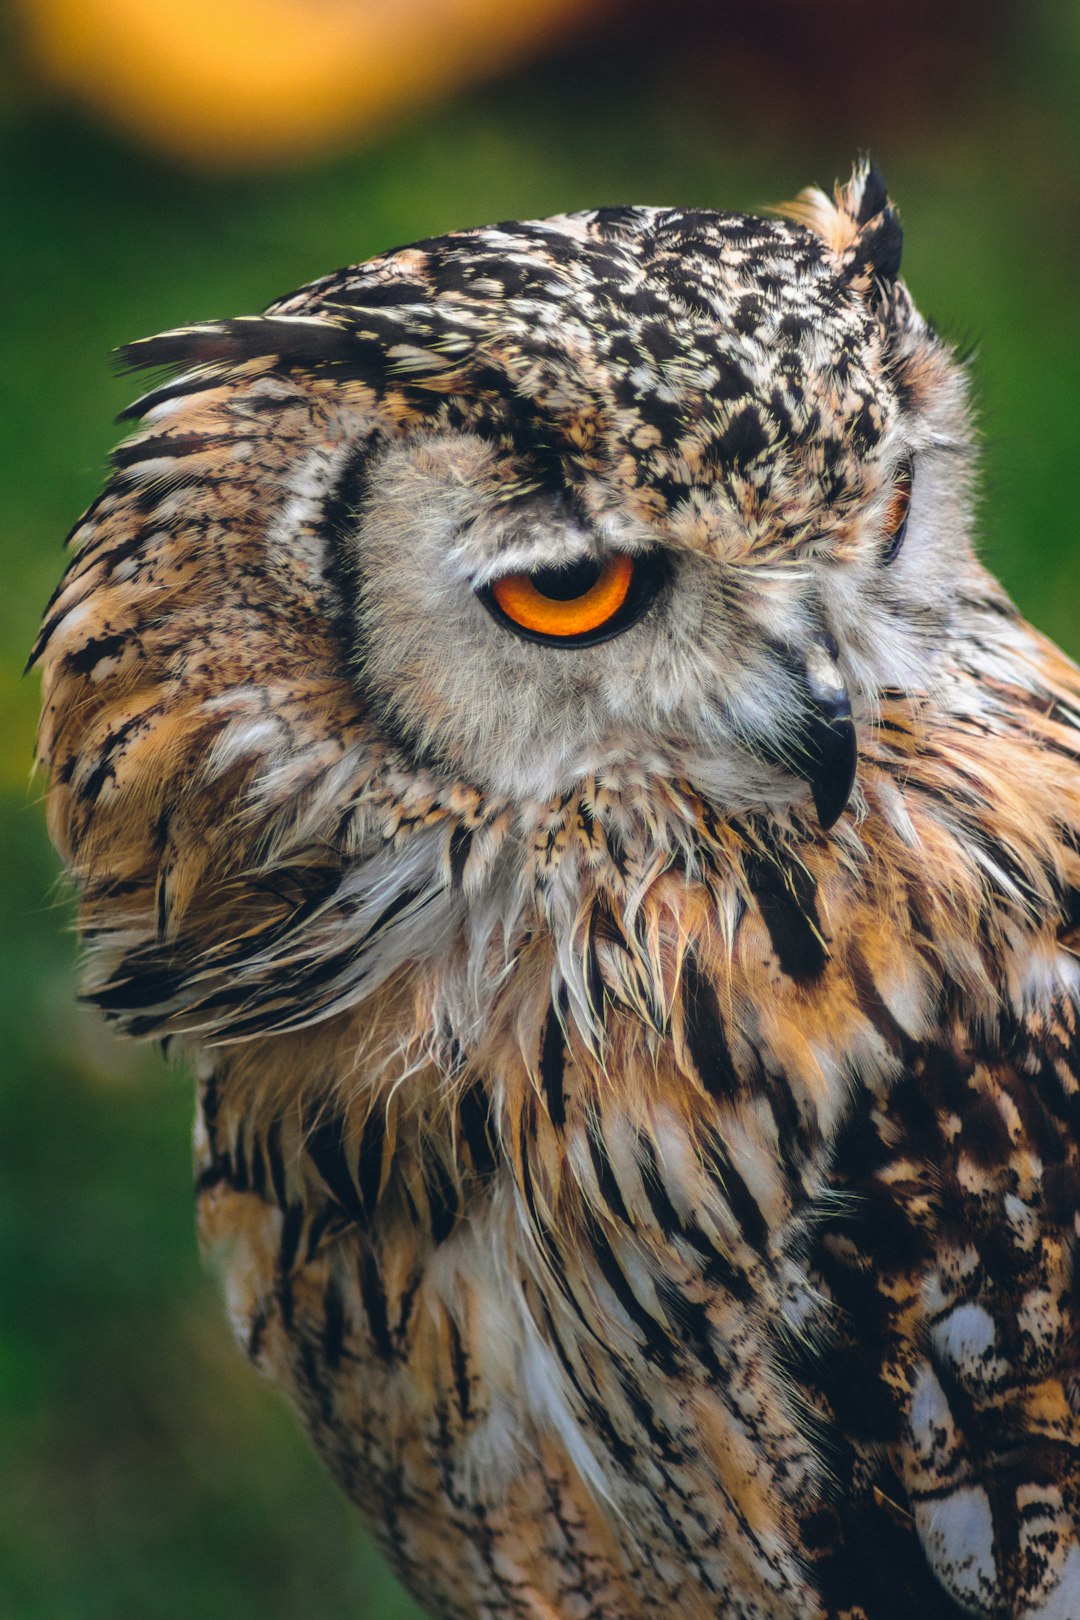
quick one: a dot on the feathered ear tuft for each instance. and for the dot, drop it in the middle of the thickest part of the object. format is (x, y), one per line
(857, 223)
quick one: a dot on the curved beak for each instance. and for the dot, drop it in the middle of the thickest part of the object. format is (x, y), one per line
(827, 754)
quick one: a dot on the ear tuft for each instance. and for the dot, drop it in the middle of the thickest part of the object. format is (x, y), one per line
(875, 197)
(858, 223)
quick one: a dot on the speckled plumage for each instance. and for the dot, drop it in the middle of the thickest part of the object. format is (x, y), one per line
(652, 1197)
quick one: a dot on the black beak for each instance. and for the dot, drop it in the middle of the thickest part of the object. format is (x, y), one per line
(827, 754)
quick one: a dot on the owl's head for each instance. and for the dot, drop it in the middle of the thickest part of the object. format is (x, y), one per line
(652, 494)
(630, 511)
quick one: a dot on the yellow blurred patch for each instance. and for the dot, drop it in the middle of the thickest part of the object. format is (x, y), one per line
(256, 82)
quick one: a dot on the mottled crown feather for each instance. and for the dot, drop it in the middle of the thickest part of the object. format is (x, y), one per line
(858, 223)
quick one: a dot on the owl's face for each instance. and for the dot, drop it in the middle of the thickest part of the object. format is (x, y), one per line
(670, 503)
(699, 494)
(525, 643)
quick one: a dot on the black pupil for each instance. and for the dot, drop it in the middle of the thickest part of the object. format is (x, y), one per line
(566, 583)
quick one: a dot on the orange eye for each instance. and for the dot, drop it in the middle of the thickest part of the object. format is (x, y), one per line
(584, 602)
(896, 513)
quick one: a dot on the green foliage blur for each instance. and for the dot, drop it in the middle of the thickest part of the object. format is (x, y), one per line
(144, 1471)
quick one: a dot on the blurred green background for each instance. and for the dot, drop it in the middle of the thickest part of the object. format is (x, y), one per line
(144, 1471)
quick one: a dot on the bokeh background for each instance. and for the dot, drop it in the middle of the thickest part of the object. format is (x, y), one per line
(163, 160)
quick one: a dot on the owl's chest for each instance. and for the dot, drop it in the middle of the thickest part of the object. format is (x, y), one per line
(546, 1405)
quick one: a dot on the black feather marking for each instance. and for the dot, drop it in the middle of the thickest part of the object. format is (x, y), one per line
(875, 195)
(408, 1300)
(234, 342)
(460, 1364)
(705, 1034)
(595, 989)
(552, 1065)
(333, 1333)
(162, 445)
(337, 525)
(373, 1295)
(239, 1163)
(658, 1346)
(667, 1217)
(291, 1230)
(545, 1237)
(718, 1268)
(587, 819)
(290, 1237)
(616, 851)
(114, 743)
(92, 652)
(442, 1197)
(217, 1172)
(881, 246)
(370, 1158)
(621, 1451)
(400, 903)
(460, 844)
(689, 1321)
(257, 1168)
(326, 1148)
(177, 388)
(787, 899)
(739, 1198)
(610, 1191)
(276, 1163)
(479, 1130)
(743, 440)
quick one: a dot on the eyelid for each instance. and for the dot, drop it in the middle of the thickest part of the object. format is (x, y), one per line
(522, 559)
(530, 556)
(895, 520)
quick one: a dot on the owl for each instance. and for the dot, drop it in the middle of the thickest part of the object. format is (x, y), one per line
(527, 724)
